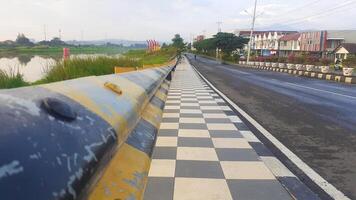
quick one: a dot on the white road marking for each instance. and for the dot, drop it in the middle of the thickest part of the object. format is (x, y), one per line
(320, 181)
(343, 95)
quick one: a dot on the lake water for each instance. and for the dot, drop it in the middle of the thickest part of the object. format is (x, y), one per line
(33, 67)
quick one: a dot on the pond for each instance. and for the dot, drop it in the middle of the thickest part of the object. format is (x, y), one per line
(34, 67)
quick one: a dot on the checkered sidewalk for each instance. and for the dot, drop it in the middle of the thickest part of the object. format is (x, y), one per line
(204, 151)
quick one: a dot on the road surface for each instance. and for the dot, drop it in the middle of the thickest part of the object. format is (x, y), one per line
(315, 119)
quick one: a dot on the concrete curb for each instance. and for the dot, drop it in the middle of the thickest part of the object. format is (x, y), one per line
(57, 139)
(309, 74)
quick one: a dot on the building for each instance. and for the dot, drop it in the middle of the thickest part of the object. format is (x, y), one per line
(323, 43)
(199, 38)
(289, 44)
(313, 42)
(344, 50)
(267, 43)
(337, 37)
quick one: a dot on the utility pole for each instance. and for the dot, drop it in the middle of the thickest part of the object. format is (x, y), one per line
(219, 26)
(60, 34)
(252, 29)
(45, 32)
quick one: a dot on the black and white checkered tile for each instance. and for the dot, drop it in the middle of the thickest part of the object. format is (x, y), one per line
(204, 151)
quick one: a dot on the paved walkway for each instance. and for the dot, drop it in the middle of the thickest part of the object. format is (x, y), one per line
(204, 151)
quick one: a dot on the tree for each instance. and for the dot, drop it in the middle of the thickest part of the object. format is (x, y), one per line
(57, 42)
(178, 42)
(229, 42)
(23, 40)
(205, 45)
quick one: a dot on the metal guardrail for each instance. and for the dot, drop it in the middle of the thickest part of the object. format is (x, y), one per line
(56, 140)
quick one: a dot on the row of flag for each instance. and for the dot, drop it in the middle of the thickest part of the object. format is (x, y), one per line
(153, 45)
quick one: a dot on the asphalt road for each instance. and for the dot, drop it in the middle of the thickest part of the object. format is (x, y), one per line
(315, 119)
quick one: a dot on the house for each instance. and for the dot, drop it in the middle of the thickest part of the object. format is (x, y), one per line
(289, 44)
(344, 50)
(337, 37)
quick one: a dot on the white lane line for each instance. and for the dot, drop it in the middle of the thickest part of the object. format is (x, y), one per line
(320, 181)
(301, 86)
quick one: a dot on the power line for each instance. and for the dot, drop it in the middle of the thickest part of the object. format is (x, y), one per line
(321, 14)
(324, 12)
(301, 7)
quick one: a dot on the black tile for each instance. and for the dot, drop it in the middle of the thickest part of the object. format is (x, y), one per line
(198, 169)
(189, 107)
(191, 115)
(192, 126)
(213, 111)
(217, 120)
(225, 134)
(257, 190)
(159, 189)
(195, 142)
(261, 149)
(165, 153)
(241, 126)
(171, 111)
(168, 132)
(170, 120)
(298, 189)
(230, 113)
(237, 155)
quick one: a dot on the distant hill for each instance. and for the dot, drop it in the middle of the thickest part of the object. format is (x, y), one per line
(102, 42)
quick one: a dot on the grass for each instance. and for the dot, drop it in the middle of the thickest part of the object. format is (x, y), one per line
(11, 80)
(81, 67)
(91, 66)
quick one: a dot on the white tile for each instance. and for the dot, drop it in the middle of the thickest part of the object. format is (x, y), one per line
(249, 136)
(165, 125)
(172, 107)
(167, 142)
(189, 104)
(218, 126)
(277, 168)
(246, 170)
(190, 111)
(210, 107)
(235, 119)
(196, 153)
(215, 115)
(194, 133)
(170, 115)
(162, 168)
(225, 108)
(192, 120)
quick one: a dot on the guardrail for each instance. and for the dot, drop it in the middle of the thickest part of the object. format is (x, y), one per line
(58, 140)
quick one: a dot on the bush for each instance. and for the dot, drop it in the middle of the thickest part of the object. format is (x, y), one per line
(271, 59)
(326, 61)
(300, 59)
(282, 59)
(311, 60)
(350, 61)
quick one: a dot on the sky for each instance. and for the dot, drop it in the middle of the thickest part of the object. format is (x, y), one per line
(161, 19)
